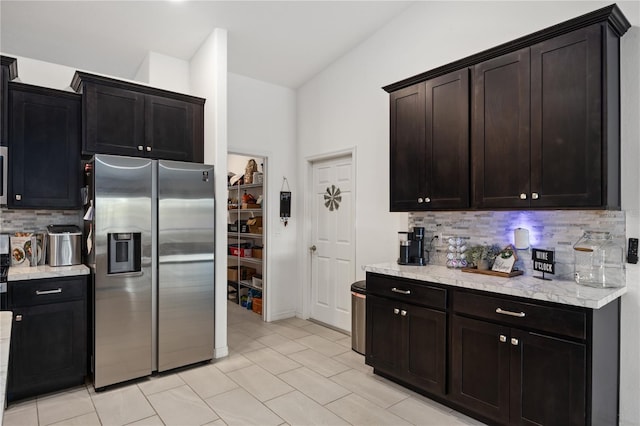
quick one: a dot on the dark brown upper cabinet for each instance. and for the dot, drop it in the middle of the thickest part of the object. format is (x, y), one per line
(569, 161)
(123, 118)
(8, 71)
(545, 124)
(501, 131)
(44, 148)
(537, 126)
(429, 148)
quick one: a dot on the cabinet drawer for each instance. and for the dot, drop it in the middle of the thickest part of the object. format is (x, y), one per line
(522, 314)
(408, 291)
(43, 291)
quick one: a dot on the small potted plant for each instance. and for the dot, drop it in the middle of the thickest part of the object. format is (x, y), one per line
(483, 256)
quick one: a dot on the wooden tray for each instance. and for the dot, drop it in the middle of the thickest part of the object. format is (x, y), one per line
(494, 273)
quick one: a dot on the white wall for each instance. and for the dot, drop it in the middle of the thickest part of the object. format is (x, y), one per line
(45, 74)
(343, 107)
(261, 120)
(630, 333)
(208, 79)
(164, 71)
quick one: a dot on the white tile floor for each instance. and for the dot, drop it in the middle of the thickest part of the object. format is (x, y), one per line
(291, 372)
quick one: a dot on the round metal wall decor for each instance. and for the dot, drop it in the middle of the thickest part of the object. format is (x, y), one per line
(332, 198)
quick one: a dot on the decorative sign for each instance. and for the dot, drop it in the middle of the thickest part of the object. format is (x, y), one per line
(505, 260)
(543, 262)
(285, 205)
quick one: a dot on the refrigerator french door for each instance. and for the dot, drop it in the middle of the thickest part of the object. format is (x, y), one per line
(152, 235)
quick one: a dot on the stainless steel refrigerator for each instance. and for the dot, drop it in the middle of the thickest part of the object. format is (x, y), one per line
(150, 245)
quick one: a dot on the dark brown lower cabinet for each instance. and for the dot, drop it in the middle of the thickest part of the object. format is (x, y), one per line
(48, 336)
(407, 342)
(502, 359)
(516, 377)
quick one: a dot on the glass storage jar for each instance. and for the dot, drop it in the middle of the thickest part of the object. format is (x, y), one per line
(598, 261)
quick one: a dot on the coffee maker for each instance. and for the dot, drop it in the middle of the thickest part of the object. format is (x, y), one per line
(412, 250)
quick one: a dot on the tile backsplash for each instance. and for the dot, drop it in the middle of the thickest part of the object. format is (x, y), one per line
(37, 220)
(550, 230)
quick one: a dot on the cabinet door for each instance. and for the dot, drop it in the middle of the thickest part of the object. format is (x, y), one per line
(501, 132)
(566, 120)
(447, 141)
(45, 148)
(407, 143)
(480, 367)
(383, 336)
(169, 128)
(48, 348)
(548, 378)
(425, 348)
(4, 103)
(113, 121)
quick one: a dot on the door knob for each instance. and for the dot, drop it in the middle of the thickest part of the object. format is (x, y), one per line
(313, 248)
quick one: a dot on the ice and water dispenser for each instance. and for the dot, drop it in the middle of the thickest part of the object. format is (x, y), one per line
(124, 252)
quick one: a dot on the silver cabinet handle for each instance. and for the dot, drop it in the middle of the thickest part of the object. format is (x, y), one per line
(535, 196)
(148, 149)
(427, 200)
(513, 314)
(140, 148)
(18, 317)
(523, 196)
(396, 311)
(514, 341)
(42, 292)
(503, 338)
(18, 197)
(420, 200)
(397, 290)
(403, 313)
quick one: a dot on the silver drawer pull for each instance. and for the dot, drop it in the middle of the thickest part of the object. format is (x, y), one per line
(513, 314)
(397, 290)
(43, 292)
(403, 313)
(18, 317)
(396, 311)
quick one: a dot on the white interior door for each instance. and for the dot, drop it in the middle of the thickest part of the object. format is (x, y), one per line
(332, 242)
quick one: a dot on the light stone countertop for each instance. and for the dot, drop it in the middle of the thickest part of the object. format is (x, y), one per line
(6, 319)
(559, 290)
(45, 271)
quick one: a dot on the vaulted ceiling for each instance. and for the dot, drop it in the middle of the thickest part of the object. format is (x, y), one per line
(281, 42)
